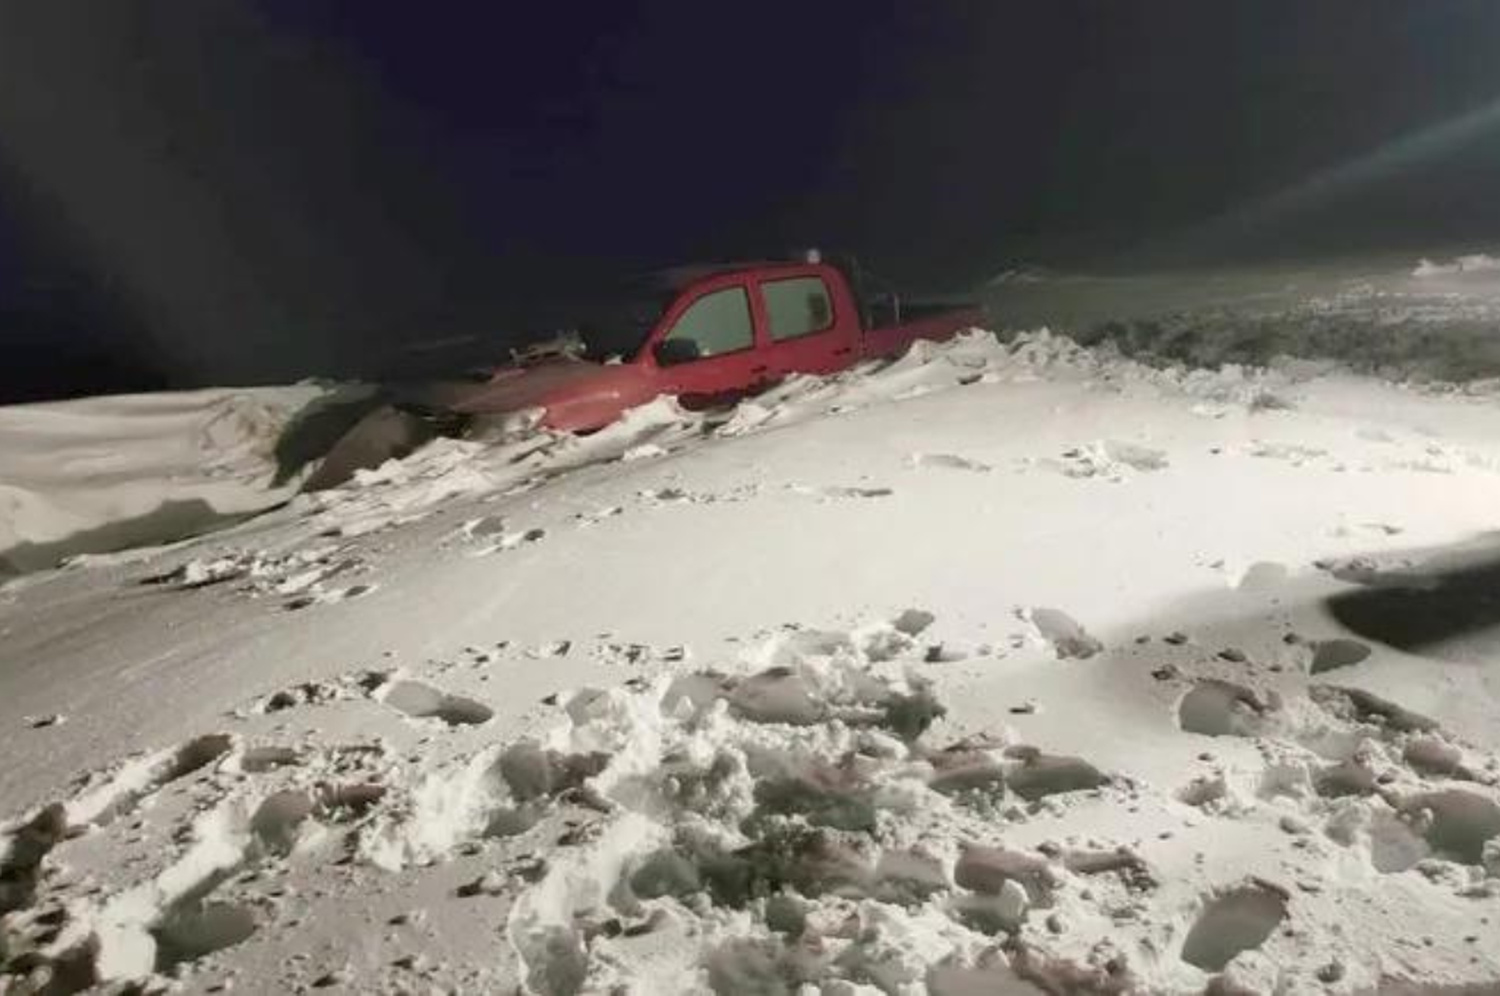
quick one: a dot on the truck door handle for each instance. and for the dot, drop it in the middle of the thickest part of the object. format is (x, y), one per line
(843, 352)
(760, 369)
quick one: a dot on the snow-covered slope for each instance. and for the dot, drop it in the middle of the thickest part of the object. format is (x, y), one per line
(1432, 319)
(997, 669)
(101, 474)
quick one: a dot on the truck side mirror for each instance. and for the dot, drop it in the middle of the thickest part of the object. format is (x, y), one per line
(670, 352)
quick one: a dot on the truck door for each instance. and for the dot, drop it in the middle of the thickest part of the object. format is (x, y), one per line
(707, 352)
(807, 332)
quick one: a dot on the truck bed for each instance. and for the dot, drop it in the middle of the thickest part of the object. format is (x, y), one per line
(935, 322)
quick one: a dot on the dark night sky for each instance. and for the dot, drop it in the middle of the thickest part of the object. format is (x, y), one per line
(242, 190)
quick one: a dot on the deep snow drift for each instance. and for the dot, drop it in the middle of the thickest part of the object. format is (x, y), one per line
(103, 474)
(1000, 668)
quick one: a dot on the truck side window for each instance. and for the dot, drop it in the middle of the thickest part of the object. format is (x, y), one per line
(715, 324)
(797, 306)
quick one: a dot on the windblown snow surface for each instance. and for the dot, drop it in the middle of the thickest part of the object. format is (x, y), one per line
(1001, 668)
(102, 474)
(1430, 319)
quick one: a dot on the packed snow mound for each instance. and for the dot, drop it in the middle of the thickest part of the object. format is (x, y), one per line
(1472, 263)
(103, 474)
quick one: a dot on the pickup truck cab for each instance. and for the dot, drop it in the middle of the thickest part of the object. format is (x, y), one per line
(707, 335)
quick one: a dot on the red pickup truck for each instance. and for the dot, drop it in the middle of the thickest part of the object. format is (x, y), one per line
(708, 335)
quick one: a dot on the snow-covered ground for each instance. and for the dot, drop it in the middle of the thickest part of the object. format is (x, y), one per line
(1426, 319)
(102, 474)
(1003, 668)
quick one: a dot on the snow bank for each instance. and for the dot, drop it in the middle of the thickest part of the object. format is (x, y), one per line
(1402, 345)
(520, 457)
(1437, 323)
(103, 474)
(107, 474)
(1473, 263)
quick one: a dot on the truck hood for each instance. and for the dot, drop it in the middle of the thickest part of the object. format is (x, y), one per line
(512, 389)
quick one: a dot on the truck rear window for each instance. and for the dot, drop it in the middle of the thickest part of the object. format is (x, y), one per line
(797, 306)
